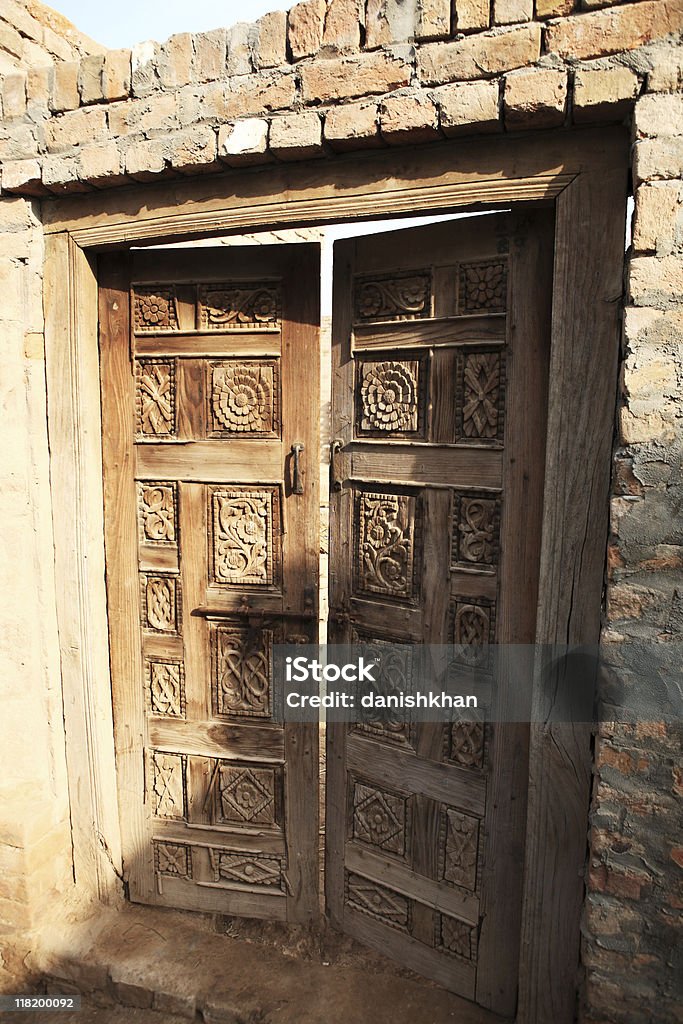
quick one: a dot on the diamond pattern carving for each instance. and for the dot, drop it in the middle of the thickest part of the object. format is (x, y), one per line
(388, 397)
(393, 297)
(244, 398)
(460, 845)
(385, 546)
(173, 859)
(476, 530)
(157, 512)
(155, 397)
(379, 818)
(377, 901)
(247, 794)
(243, 671)
(160, 603)
(480, 396)
(246, 536)
(246, 869)
(166, 688)
(244, 306)
(168, 784)
(455, 937)
(154, 309)
(483, 287)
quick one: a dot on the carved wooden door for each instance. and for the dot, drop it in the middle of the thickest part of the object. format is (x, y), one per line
(441, 339)
(209, 365)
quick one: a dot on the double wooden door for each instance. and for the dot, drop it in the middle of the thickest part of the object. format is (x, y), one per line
(210, 372)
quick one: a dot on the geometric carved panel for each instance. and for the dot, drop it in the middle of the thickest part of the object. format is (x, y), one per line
(388, 399)
(246, 868)
(246, 536)
(245, 306)
(242, 661)
(168, 784)
(460, 842)
(466, 744)
(160, 602)
(155, 397)
(380, 818)
(393, 297)
(246, 795)
(476, 530)
(472, 629)
(483, 287)
(154, 308)
(173, 859)
(166, 688)
(157, 513)
(480, 396)
(385, 544)
(245, 399)
(394, 675)
(377, 901)
(455, 937)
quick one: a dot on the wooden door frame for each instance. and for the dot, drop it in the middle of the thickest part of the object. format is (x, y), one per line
(584, 174)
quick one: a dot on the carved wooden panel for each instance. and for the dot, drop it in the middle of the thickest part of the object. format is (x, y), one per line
(393, 297)
(247, 795)
(388, 398)
(245, 400)
(380, 818)
(246, 536)
(242, 661)
(459, 848)
(480, 396)
(157, 512)
(466, 744)
(472, 629)
(475, 531)
(250, 305)
(154, 308)
(168, 784)
(173, 859)
(394, 675)
(483, 287)
(166, 682)
(160, 602)
(155, 398)
(455, 937)
(377, 901)
(238, 868)
(385, 544)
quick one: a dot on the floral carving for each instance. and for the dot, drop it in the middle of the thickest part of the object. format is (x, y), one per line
(252, 305)
(377, 901)
(160, 603)
(476, 528)
(243, 671)
(389, 396)
(243, 398)
(247, 794)
(173, 859)
(455, 937)
(467, 744)
(460, 849)
(156, 397)
(379, 818)
(154, 309)
(472, 631)
(168, 785)
(243, 536)
(166, 688)
(386, 527)
(246, 869)
(157, 506)
(395, 297)
(483, 286)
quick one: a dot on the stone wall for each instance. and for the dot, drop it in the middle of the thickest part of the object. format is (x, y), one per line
(32, 35)
(328, 78)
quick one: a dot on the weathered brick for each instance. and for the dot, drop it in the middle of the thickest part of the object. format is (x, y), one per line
(468, 107)
(261, 92)
(146, 159)
(353, 126)
(599, 33)
(659, 116)
(90, 79)
(39, 89)
(658, 158)
(192, 150)
(342, 25)
(146, 114)
(174, 63)
(143, 66)
(390, 21)
(408, 118)
(472, 15)
(658, 221)
(296, 136)
(603, 94)
(535, 99)
(656, 282)
(65, 94)
(667, 74)
(349, 77)
(270, 40)
(100, 164)
(244, 142)
(305, 27)
(239, 51)
(210, 102)
(75, 127)
(60, 175)
(116, 75)
(506, 12)
(210, 49)
(21, 176)
(480, 56)
(554, 8)
(14, 95)
(433, 20)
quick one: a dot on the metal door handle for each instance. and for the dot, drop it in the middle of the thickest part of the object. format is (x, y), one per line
(335, 477)
(297, 482)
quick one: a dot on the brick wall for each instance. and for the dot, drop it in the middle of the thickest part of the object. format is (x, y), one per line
(344, 75)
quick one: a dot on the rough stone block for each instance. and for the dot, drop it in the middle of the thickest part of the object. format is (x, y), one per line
(305, 28)
(65, 95)
(554, 8)
(116, 75)
(667, 74)
(353, 126)
(192, 150)
(390, 21)
(146, 159)
(342, 25)
(658, 221)
(261, 92)
(75, 128)
(100, 164)
(480, 56)
(60, 175)
(506, 12)
(240, 42)
(21, 176)
(296, 136)
(244, 142)
(270, 40)
(472, 15)
(599, 33)
(433, 20)
(603, 94)
(408, 118)
(146, 114)
(658, 158)
(350, 77)
(468, 107)
(174, 63)
(656, 282)
(90, 79)
(535, 99)
(143, 66)
(659, 116)
(39, 89)
(14, 95)
(16, 215)
(210, 50)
